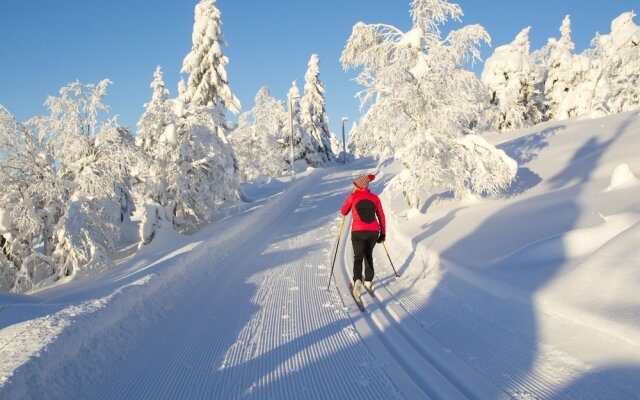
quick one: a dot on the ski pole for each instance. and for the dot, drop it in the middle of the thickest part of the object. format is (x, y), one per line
(333, 263)
(389, 257)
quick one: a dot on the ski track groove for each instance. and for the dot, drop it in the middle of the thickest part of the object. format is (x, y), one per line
(449, 335)
(487, 360)
(430, 379)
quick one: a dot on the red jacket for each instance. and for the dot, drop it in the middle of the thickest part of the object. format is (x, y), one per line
(366, 208)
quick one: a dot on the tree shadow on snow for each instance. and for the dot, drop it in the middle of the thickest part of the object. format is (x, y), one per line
(523, 151)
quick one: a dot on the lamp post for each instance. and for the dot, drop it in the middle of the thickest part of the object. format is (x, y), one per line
(344, 149)
(293, 173)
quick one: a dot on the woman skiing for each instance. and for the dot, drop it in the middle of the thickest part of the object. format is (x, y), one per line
(367, 228)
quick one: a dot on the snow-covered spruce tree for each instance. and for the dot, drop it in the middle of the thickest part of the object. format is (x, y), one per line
(515, 84)
(336, 144)
(206, 99)
(255, 139)
(195, 167)
(193, 171)
(205, 64)
(561, 76)
(207, 171)
(156, 136)
(182, 88)
(31, 204)
(301, 141)
(246, 145)
(426, 102)
(314, 120)
(157, 114)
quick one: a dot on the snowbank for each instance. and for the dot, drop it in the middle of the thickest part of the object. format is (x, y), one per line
(565, 238)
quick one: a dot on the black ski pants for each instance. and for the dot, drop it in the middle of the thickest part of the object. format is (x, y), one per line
(363, 244)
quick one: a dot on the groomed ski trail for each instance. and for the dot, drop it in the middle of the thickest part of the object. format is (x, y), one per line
(243, 314)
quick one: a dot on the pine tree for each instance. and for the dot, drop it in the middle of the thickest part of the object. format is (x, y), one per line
(193, 171)
(205, 64)
(182, 89)
(314, 120)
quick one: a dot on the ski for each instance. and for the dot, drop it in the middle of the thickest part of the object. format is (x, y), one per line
(359, 303)
(370, 291)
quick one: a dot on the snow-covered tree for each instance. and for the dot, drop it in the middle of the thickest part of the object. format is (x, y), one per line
(314, 119)
(94, 157)
(156, 115)
(157, 138)
(424, 102)
(561, 78)
(602, 80)
(336, 144)
(160, 92)
(31, 204)
(255, 139)
(301, 142)
(182, 89)
(618, 81)
(515, 84)
(194, 171)
(206, 63)
(67, 188)
(208, 166)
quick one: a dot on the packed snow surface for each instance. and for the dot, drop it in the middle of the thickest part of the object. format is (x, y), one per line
(533, 295)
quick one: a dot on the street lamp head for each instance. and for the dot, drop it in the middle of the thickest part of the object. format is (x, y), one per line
(344, 119)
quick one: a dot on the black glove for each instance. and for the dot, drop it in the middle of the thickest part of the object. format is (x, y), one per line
(381, 238)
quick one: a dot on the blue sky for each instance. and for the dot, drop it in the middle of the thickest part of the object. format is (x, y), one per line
(46, 44)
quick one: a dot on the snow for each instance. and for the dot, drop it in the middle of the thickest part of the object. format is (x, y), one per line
(5, 222)
(413, 38)
(622, 177)
(623, 30)
(532, 295)
(169, 135)
(507, 60)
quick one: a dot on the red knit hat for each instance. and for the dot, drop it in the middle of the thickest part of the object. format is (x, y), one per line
(362, 182)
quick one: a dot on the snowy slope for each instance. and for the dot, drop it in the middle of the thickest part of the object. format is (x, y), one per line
(531, 296)
(549, 276)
